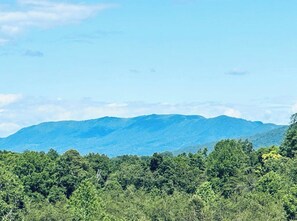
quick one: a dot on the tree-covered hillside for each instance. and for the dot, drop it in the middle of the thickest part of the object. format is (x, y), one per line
(233, 182)
(271, 138)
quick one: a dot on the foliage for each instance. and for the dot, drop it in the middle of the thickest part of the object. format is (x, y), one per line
(227, 164)
(11, 195)
(85, 203)
(233, 182)
(289, 146)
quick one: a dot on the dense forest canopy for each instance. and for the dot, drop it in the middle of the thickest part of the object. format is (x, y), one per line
(233, 182)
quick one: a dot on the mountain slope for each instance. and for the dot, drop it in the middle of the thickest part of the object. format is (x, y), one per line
(140, 135)
(265, 139)
(273, 137)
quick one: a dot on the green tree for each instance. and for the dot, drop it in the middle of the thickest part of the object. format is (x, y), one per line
(255, 206)
(47, 212)
(271, 183)
(226, 166)
(289, 146)
(101, 164)
(156, 161)
(11, 196)
(290, 203)
(86, 204)
(203, 202)
(56, 194)
(35, 171)
(70, 170)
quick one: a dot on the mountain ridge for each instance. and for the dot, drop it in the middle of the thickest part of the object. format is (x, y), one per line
(142, 135)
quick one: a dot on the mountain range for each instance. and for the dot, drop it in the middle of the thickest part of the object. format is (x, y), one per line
(141, 135)
(266, 139)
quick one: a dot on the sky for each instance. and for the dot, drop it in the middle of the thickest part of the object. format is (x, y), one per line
(76, 60)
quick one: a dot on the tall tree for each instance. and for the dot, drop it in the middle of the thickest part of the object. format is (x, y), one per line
(289, 146)
(85, 203)
(226, 165)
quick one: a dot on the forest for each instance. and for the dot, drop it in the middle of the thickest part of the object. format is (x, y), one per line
(233, 182)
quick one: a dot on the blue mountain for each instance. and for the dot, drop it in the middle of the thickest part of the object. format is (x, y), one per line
(265, 139)
(141, 135)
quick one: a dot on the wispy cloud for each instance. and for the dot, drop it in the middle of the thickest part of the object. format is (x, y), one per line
(26, 14)
(153, 70)
(137, 71)
(32, 53)
(90, 37)
(6, 99)
(3, 41)
(236, 72)
(134, 71)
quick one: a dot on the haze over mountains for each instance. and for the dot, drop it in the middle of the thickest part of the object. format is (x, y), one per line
(142, 135)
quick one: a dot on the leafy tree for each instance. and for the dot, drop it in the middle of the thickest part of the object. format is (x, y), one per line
(156, 161)
(35, 171)
(254, 206)
(11, 195)
(56, 194)
(48, 212)
(290, 203)
(226, 166)
(70, 170)
(52, 154)
(271, 183)
(86, 204)
(289, 146)
(101, 164)
(203, 202)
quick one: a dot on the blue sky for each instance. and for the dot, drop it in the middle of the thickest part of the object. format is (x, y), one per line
(85, 59)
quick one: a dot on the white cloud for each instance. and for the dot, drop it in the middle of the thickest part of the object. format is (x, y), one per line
(10, 29)
(8, 128)
(6, 99)
(232, 113)
(43, 14)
